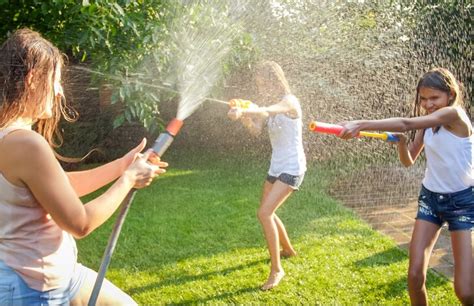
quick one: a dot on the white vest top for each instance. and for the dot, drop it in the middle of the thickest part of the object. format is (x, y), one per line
(449, 161)
(287, 143)
(31, 243)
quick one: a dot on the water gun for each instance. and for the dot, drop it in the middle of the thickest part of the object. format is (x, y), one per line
(335, 129)
(243, 104)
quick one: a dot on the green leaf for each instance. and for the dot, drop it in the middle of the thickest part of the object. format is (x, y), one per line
(118, 121)
(119, 9)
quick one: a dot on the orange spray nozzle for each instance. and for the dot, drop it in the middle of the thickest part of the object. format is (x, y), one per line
(174, 126)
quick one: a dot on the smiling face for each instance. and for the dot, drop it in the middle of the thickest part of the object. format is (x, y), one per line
(436, 89)
(433, 99)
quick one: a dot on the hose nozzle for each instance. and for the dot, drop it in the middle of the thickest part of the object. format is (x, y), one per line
(174, 126)
(165, 139)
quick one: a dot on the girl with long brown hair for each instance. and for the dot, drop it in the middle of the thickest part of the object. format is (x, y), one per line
(40, 209)
(281, 112)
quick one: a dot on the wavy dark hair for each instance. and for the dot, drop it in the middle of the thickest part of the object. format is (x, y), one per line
(25, 51)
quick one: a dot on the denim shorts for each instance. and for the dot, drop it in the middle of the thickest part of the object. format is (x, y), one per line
(14, 290)
(456, 209)
(294, 181)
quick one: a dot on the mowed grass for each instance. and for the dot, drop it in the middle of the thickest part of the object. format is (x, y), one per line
(193, 238)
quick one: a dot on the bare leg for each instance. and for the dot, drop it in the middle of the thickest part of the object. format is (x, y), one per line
(109, 293)
(463, 266)
(422, 242)
(272, 199)
(288, 250)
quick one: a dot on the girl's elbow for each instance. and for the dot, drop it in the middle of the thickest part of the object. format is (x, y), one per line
(406, 162)
(407, 125)
(80, 232)
(79, 229)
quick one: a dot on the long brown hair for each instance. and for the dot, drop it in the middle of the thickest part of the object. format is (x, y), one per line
(272, 73)
(25, 51)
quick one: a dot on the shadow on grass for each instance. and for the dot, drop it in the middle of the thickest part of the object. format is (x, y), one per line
(399, 287)
(384, 258)
(183, 279)
(220, 297)
(392, 290)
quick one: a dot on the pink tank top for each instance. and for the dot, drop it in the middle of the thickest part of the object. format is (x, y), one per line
(31, 242)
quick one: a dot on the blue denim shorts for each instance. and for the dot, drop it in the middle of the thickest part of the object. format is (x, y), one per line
(294, 181)
(456, 209)
(14, 290)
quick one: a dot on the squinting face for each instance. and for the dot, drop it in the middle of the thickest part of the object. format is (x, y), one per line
(433, 99)
(57, 94)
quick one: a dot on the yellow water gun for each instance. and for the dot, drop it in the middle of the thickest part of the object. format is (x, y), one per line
(241, 103)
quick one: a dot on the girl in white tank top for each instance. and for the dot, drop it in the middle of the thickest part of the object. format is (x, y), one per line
(288, 161)
(40, 208)
(444, 130)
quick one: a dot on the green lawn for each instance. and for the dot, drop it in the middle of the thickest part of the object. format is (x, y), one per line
(193, 238)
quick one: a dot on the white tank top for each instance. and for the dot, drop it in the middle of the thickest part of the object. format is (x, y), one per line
(449, 161)
(31, 243)
(287, 143)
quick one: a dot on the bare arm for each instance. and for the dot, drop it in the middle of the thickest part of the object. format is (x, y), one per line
(253, 122)
(444, 116)
(47, 181)
(408, 153)
(254, 118)
(85, 182)
(254, 125)
(288, 106)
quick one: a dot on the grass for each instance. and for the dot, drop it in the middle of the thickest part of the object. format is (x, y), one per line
(193, 238)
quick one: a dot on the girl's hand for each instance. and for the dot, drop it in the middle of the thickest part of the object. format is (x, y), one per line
(145, 167)
(403, 139)
(235, 113)
(350, 129)
(128, 158)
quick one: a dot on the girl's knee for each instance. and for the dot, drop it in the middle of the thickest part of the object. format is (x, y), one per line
(416, 278)
(264, 214)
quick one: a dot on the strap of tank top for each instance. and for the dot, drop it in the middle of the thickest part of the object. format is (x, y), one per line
(9, 130)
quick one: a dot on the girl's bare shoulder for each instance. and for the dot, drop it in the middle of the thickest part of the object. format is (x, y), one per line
(21, 144)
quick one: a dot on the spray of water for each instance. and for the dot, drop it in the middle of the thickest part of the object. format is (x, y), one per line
(201, 49)
(136, 80)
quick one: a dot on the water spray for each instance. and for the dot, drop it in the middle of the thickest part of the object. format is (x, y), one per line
(160, 146)
(334, 129)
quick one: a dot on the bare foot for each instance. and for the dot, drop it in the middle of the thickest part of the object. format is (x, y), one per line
(273, 280)
(288, 253)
